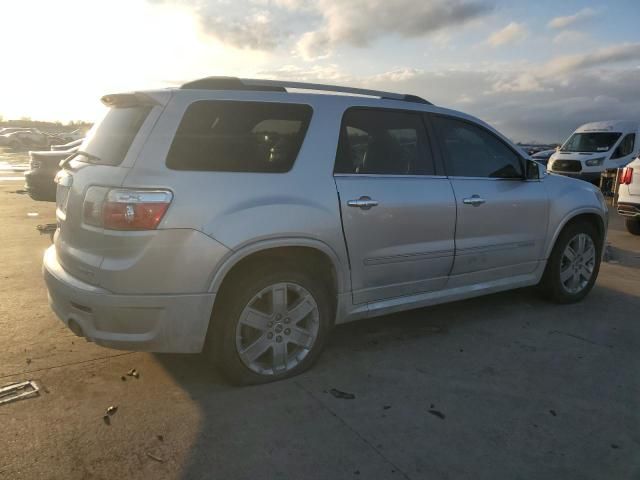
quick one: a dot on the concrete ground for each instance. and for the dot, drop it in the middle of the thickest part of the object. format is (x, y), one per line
(505, 386)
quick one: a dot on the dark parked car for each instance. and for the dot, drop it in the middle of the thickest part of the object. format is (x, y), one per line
(42, 170)
(543, 156)
(68, 146)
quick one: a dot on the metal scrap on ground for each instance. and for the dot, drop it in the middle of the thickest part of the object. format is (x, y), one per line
(18, 391)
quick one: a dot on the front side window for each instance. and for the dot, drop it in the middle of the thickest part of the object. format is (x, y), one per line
(228, 136)
(626, 146)
(472, 151)
(383, 142)
(591, 142)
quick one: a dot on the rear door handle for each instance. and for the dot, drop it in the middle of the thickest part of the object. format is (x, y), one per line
(474, 200)
(364, 202)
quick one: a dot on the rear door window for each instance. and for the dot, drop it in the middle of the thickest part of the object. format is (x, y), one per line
(110, 139)
(383, 142)
(231, 136)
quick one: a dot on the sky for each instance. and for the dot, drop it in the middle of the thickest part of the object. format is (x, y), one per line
(535, 70)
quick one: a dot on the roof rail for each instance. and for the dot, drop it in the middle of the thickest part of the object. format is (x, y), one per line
(234, 83)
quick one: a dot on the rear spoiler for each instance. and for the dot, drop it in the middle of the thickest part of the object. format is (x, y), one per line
(135, 99)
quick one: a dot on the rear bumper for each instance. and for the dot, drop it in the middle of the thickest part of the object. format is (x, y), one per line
(629, 209)
(154, 323)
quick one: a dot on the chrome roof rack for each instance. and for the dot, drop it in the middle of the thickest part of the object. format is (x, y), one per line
(234, 83)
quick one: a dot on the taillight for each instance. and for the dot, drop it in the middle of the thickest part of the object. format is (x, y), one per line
(627, 176)
(125, 209)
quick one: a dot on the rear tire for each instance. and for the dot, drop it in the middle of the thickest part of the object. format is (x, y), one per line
(274, 313)
(633, 225)
(574, 263)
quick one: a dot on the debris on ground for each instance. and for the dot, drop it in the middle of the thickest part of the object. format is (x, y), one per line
(123, 378)
(47, 229)
(613, 445)
(153, 457)
(340, 394)
(18, 391)
(160, 437)
(28, 361)
(437, 413)
(19, 192)
(553, 412)
(33, 214)
(111, 410)
(386, 407)
(133, 373)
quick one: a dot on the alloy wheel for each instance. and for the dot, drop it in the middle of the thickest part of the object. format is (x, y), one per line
(577, 263)
(277, 328)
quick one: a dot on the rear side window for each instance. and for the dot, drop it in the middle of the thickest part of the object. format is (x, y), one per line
(472, 151)
(110, 139)
(384, 142)
(228, 136)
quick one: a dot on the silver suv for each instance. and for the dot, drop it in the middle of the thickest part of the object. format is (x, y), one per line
(243, 219)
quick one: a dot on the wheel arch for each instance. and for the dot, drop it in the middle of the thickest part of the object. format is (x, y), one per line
(315, 251)
(587, 214)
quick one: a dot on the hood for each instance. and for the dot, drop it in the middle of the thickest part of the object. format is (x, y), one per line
(582, 156)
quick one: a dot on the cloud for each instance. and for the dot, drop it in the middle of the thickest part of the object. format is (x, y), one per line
(570, 20)
(360, 22)
(603, 56)
(512, 33)
(320, 25)
(570, 37)
(314, 45)
(256, 31)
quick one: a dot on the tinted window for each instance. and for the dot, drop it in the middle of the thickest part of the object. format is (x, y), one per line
(383, 142)
(471, 151)
(109, 140)
(239, 137)
(591, 142)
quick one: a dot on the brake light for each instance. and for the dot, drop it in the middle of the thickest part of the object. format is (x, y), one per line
(125, 209)
(627, 176)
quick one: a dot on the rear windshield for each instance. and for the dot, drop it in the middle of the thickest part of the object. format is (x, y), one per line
(110, 139)
(228, 136)
(591, 142)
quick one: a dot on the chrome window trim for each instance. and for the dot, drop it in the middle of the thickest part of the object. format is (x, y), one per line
(386, 175)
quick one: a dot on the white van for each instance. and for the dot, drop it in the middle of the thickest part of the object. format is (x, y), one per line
(595, 147)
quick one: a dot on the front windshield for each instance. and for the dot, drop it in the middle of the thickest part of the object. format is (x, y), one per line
(591, 142)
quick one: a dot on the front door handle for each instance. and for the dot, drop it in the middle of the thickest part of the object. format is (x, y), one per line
(474, 200)
(364, 202)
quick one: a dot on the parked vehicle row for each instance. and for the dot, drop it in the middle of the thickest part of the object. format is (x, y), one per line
(629, 196)
(43, 167)
(596, 147)
(238, 217)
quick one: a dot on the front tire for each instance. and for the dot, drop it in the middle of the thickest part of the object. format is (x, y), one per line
(273, 324)
(574, 264)
(633, 225)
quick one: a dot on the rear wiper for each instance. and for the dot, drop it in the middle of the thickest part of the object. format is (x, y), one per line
(91, 158)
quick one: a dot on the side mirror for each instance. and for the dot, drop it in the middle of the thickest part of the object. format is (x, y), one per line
(532, 170)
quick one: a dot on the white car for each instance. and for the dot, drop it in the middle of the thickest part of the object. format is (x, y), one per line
(594, 148)
(629, 196)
